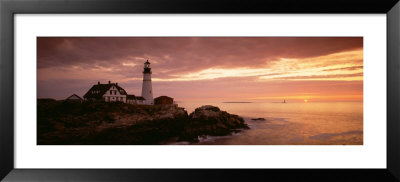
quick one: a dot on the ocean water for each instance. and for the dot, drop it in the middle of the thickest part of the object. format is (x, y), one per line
(312, 123)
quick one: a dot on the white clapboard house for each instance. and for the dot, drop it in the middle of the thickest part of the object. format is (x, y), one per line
(111, 92)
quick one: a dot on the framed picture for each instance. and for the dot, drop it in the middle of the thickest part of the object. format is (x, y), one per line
(176, 91)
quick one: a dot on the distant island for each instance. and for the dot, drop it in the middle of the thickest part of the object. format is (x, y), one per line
(237, 102)
(68, 122)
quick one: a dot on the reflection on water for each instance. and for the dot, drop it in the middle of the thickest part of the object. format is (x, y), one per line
(330, 123)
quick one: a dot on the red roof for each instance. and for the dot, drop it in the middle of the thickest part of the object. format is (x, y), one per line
(163, 97)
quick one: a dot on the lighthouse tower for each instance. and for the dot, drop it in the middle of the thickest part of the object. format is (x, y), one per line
(147, 91)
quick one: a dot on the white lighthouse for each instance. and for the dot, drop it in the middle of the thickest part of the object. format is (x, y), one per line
(147, 91)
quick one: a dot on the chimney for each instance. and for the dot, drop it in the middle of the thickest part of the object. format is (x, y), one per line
(116, 83)
(98, 83)
(109, 82)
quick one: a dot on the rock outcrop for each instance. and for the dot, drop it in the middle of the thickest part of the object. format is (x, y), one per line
(102, 123)
(156, 126)
(210, 120)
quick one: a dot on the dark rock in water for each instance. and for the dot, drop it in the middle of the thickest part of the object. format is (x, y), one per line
(210, 120)
(208, 108)
(258, 119)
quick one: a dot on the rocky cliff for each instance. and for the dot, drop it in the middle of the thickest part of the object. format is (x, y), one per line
(101, 123)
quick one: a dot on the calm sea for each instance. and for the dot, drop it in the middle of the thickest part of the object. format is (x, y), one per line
(312, 123)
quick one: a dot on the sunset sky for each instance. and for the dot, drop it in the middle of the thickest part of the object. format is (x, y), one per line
(206, 68)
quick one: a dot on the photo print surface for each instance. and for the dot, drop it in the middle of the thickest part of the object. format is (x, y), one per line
(199, 90)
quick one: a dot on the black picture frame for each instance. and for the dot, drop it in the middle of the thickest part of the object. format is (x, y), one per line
(9, 8)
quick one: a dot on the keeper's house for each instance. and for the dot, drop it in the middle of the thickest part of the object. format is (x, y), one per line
(111, 92)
